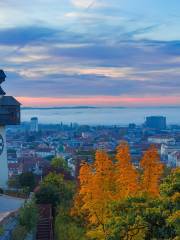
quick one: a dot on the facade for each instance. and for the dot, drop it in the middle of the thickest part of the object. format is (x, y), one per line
(156, 122)
(161, 140)
(9, 115)
(174, 159)
(34, 125)
(167, 150)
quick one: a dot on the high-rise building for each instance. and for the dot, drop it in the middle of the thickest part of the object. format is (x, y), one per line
(9, 115)
(156, 122)
(34, 125)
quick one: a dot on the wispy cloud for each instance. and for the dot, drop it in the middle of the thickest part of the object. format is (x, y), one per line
(89, 49)
(87, 4)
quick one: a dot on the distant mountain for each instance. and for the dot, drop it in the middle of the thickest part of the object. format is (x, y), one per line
(46, 108)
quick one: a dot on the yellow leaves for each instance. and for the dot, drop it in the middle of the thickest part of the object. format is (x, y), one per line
(152, 171)
(174, 217)
(176, 197)
(105, 180)
(126, 174)
(96, 233)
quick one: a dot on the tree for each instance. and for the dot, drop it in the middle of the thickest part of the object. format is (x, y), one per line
(139, 218)
(125, 221)
(152, 171)
(171, 184)
(27, 180)
(66, 227)
(60, 163)
(55, 190)
(47, 194)
(126, 174)
(96, 191)
(170, 191)
(118, 203)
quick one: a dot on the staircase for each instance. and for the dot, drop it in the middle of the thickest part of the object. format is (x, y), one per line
(45, 226)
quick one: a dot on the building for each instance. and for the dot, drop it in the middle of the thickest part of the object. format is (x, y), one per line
(174, 159)
(9, 115)
(161, 139)
(167, 150)
(156, 122)
(34, 125)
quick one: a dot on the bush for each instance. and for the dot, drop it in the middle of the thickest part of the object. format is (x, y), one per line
(1, 191)
(28, 216)
(48, 194)
(19, 233)
(67, 228)
(1, 230)
(27, 179)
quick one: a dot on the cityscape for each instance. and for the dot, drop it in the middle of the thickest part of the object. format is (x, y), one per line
(89, 120)
(31, 146)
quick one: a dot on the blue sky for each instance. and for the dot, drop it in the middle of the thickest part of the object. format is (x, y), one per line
(82, 51)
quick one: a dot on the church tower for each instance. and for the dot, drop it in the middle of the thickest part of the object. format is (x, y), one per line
(9, 115)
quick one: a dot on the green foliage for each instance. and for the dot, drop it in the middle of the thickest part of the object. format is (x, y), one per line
(140, 218)
(171, 184)
(54, 179)
(148, 218)
(55, 190)
(19, 233)
(68, 228)
(1, 230)
(170, 191)
(28, 216)
(48, 194)
(60, 163)
(27, 180)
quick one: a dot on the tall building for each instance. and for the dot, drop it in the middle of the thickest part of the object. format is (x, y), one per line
(34, 125)
(156, 122)
(9, 115)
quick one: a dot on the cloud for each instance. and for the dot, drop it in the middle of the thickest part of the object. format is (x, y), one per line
(86, 4)
(83, 49)
(25, 35)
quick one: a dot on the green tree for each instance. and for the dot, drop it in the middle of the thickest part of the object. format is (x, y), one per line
(27, 180)
(47, 194)
(170, 191)
(60, 163)
(28, 215)
(148, 217)
(66, 227)
(140, 218)
(55, 190)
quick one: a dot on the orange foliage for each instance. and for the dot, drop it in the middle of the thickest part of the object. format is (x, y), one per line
(96, 183)
(126, 174)
(104, 181)
(152, 171)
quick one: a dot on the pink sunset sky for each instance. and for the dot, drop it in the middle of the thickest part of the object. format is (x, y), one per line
(99, 101)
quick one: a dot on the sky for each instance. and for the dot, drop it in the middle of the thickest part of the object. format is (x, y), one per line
(88, 52)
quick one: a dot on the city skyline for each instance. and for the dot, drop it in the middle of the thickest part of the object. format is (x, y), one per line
(82, 52)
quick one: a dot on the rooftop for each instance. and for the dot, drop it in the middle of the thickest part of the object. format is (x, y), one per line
(8, 100)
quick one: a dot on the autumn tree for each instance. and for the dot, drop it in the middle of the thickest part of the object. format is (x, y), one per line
(83, 190)
(126, 174)
(152, 171)
(96, 191)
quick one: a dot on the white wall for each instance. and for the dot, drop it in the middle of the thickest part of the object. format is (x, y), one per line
(3, 161)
